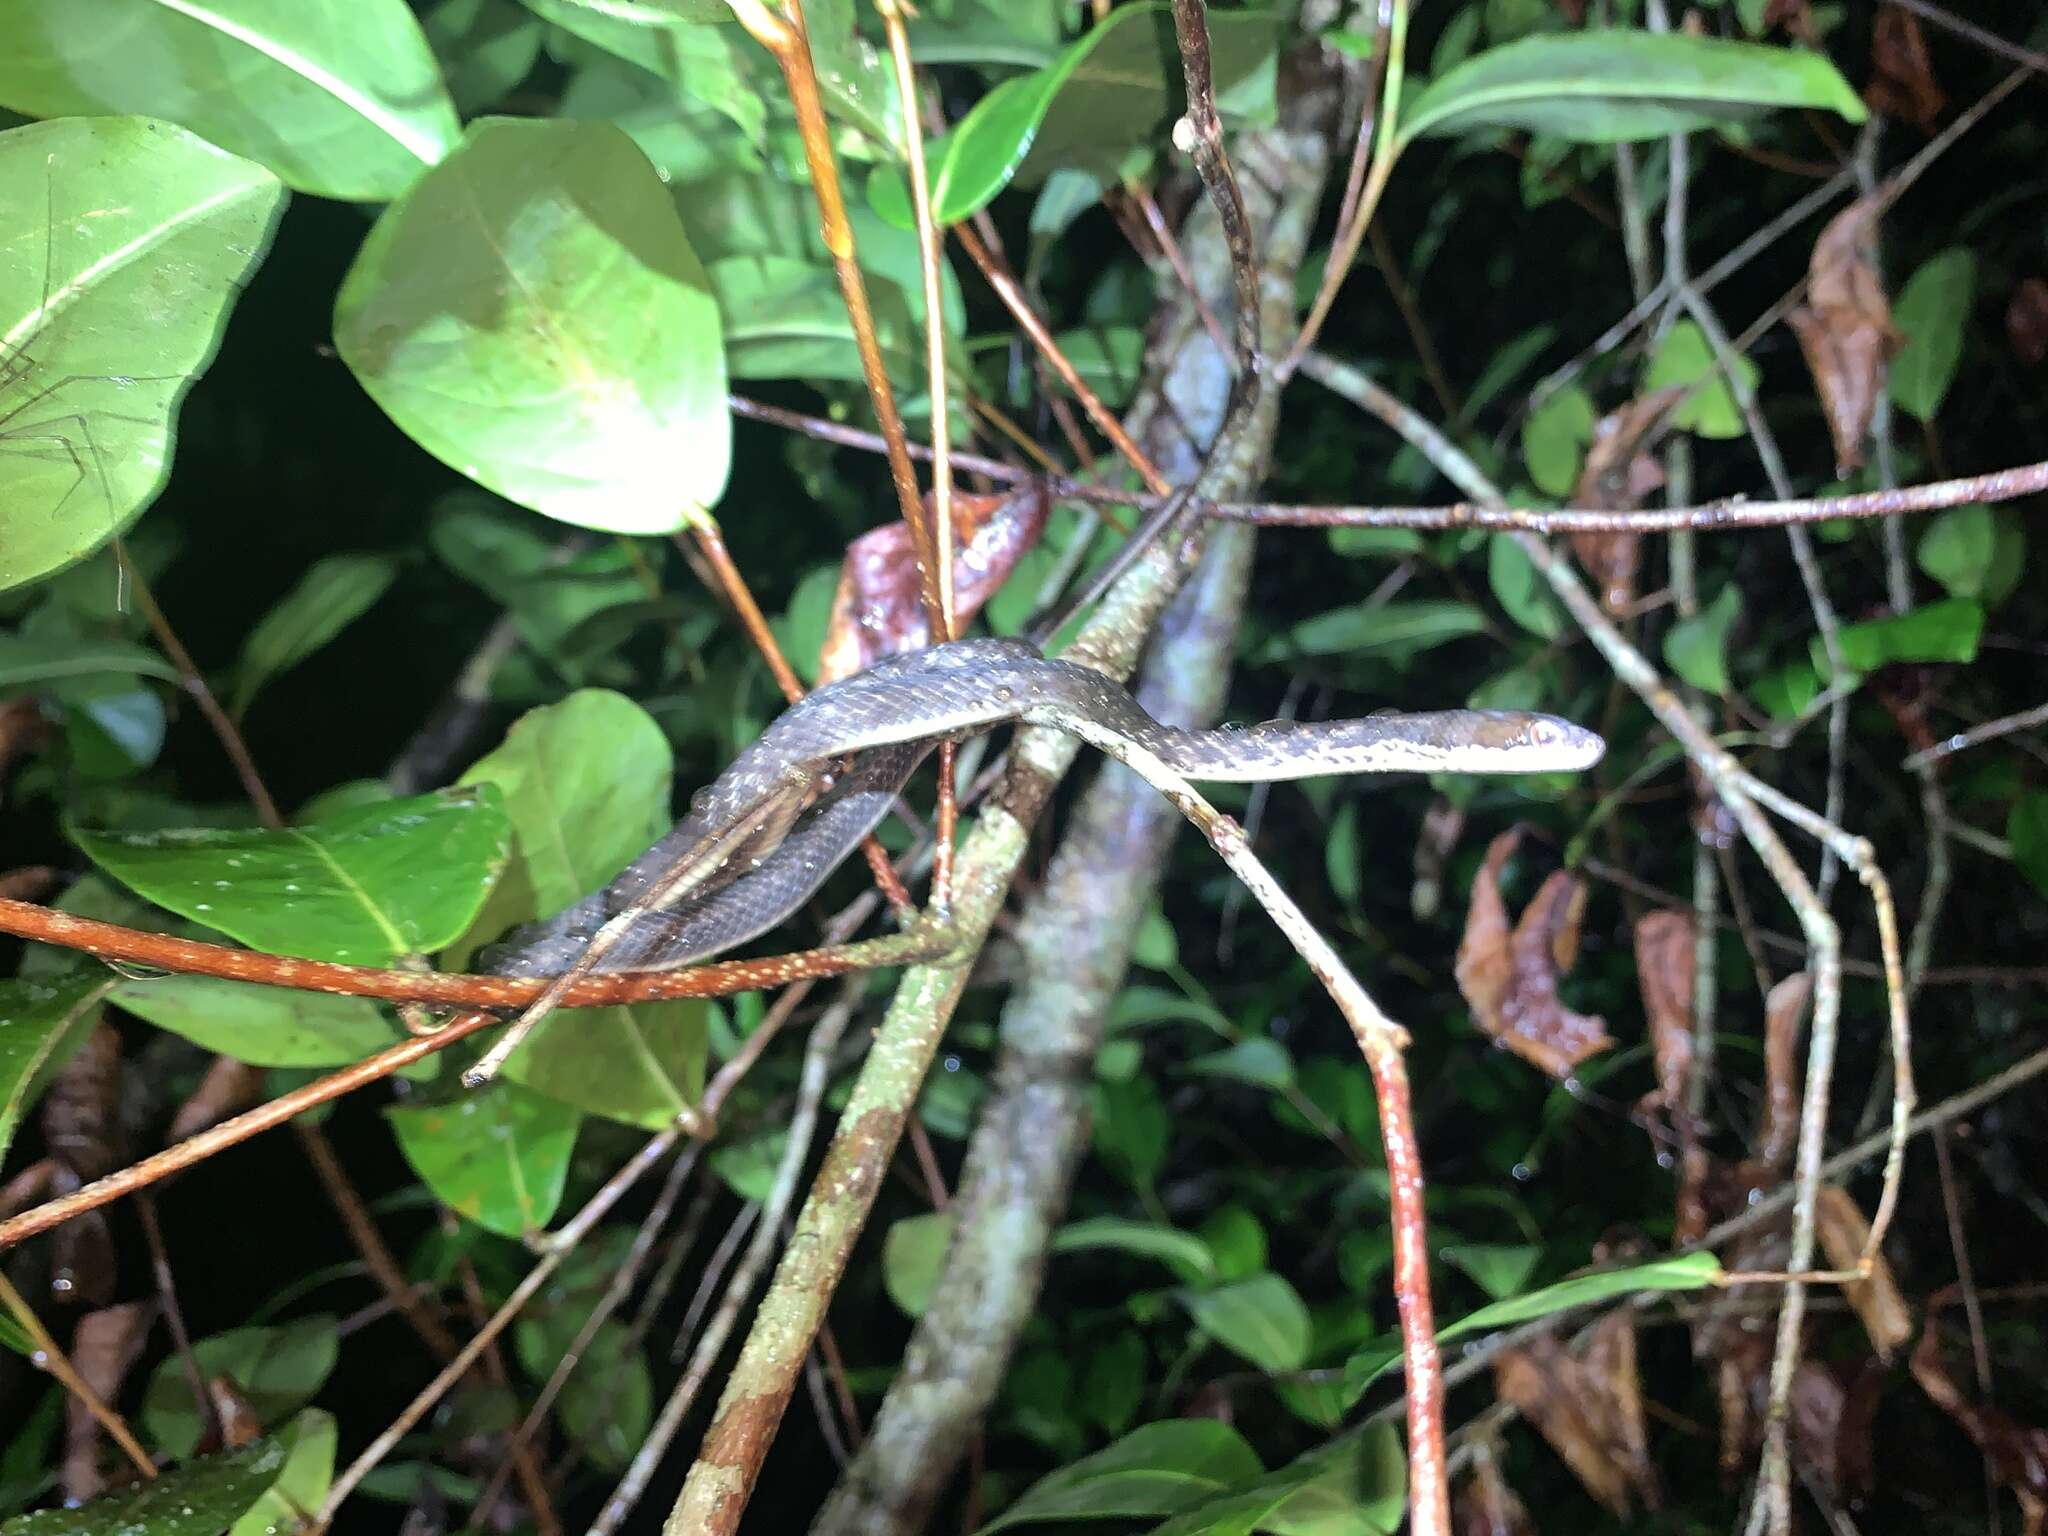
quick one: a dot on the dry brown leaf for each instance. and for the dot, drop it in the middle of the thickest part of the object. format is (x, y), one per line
(82, 1130)
(1778, 1134)
(2026, 321)
(104, 1348)
(1619, 472)
(1665, 973)
(1845, 329)
(28, 1187)
(1839, 1224)
(1901, 74)
(1796, 17)
(879, 607)
(1589, 1411)
(27, 883)
(1486, 1506)
(2018, 1453)
(1908, 691)
(1442, 824)
(240, 1424)
(1509, 977)
(228, 1088)
(1741, 1367)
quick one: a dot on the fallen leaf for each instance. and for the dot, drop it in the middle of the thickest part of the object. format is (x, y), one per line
(1619, 472)
(104, 1348)
(878, 609)
(1589, 1411)
(239, 1422)
(1845, 329)
(1509, 978)
(1665, 973)
(1843, 1233)
(1901, 73)
(1778, 1133)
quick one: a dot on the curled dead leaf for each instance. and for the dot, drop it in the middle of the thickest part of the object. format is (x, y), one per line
(2017, 1452)
(1486, 1506)
(104, 1348)
(1845, 329)
(1589, 1410)
(1665, 973)
(1778, 1133)
(1901, 73)
(1619, 472)
(1843, 1234)
(1509, 977)
(879, 607)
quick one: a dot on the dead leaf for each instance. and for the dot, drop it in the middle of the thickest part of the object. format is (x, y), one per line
(2026, 321)
(1778, 1133)
(1845, 329)
(2018, 1453)
(240, 1424)
(104, 1348)
(28, 882)
(1665, 974)
(228, 1088)
(1486, 1506)
(1619, 472)
(1590, 1410)
(1843, 1233)
(1796, 17)
(1908, 690)
(1901, 74)
(29, 1187)
(1510, 978)
(1442, 824)
(22, 727)
(82, 1130)
(1742, 1365)
(879, 607)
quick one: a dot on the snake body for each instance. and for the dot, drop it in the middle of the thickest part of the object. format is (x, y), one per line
(747, 854)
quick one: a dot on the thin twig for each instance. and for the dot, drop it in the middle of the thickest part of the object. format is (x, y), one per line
(53, 1359)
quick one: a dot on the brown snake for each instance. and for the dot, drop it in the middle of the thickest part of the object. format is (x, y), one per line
(748, 854)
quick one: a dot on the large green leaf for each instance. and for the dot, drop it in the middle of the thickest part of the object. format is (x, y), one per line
(394, 878)
(785, 319)
(42, 1025)
(1154, 1470)
(332, 595)
(1355, 1486)
(264, 1026)
(1396, 629)
(1107, 94)
(302, 1481)
(1262, 1319)
(340, 97)
(1697, 648)
(1947, 630)
(1933, 309)
(123, 244)
(1605, 86)
(913, 1254)
(531, 313)
(275, 1369)
(26, 659)
(608, 1402)
(499, 1156)
(1186, 1252)
(202, 1498)
(642, 1065)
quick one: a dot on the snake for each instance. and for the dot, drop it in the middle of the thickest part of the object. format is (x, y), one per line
(760, 840)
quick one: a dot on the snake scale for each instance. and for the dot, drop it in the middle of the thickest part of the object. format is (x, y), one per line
(749, 853)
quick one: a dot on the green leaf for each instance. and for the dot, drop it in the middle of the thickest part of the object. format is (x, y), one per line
(1154, 1470)
(1110, 91)
(785, 319)
(913, 1256)
(2026, 828)
(1109, 358)
(1686, 358)
(1113, 1381)
(1237, 1239)
(202, 1498)
(1130, 1129)
(263, 1026)
(1341, 861)
(1959, 548)
(124, 243)
(42, 1025)
(1943, 631)
(1554, 439)
(499, 1156)
(276, 1369)
(1932, 311)
(1616, 85)
(531, 313)
(1499, 1269)
(1355, 1486)
(1681, 1272)
(642, 1065)
(30, 659)
(1261, 1319)
(396, 878)
(302, 1482)
(332, 595)
(1398, 629)
(486, 47)
(1258, 1060)
(1697, 648)
(608, 1402)
(1185, 1252)
(1788, 692)
(1523, 593)
(341, 98)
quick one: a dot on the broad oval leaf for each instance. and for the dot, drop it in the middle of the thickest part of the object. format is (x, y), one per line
(1355, 1486)
(1947, 630)
(642, 1065)
(1262, 1319)
(1697, 648)
(202, 1498)
(499, 1157)
(332, 595)
(27, 659)
(531, 313)
(1154, 1470)
(913, 1255)
(1604, 87)
(1933, 308)
(399, 877)
(42, 1025)
(124, 243)
(1107, 94)
(1397, 630)
(1184, 1251)
(276, 1369)
(341, 98)
(608, 1401)
(263, 1026)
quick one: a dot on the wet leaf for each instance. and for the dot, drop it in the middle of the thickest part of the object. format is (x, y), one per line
(202, 1498)
(913, 1257)
(499, 1156)
(1845, 328)
(531, 313)
(262, 1026)
(1262, 1319)
(642, 1065)
(276, 1369)
(332, 595)
(1618, 85)
(1153, 1471)
(1509, 978)
(1933, 308)
(124, 243)
(878, 609)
